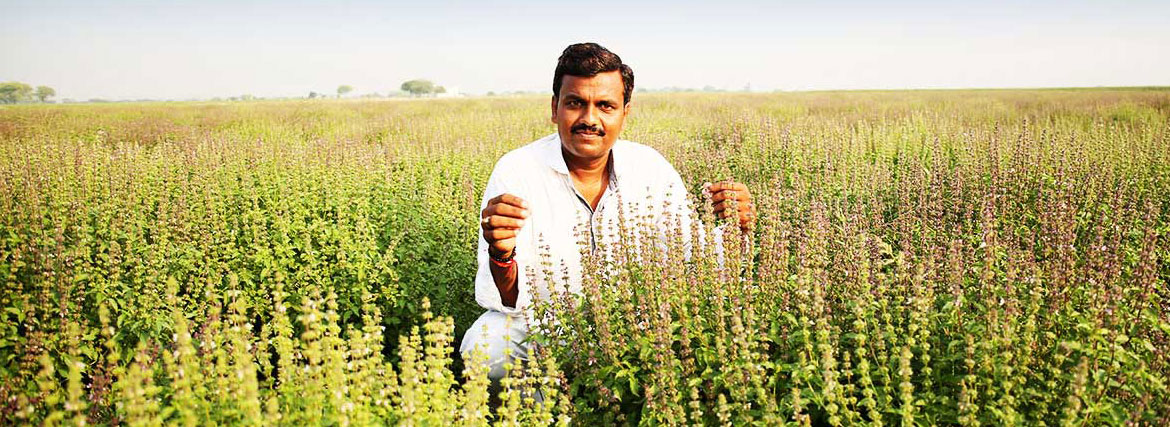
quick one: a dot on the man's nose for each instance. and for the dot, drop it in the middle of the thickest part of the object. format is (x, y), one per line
(590, 115)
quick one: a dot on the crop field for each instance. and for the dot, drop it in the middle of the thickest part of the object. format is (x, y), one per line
(921, 258)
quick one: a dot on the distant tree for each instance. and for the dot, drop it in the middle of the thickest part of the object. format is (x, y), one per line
(43, 93)
(344, 89)
(440, 89)
(247, 97)
(313, 95)
(13, 92)
(418, 87)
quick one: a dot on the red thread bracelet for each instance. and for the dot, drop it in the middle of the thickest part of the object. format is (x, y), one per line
(503, 263)
(507, 264)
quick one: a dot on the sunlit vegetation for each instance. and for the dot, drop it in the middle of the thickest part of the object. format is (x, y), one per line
(926, 257)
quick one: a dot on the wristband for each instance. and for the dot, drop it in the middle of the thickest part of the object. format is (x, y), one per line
(508, 264)
(503, 262)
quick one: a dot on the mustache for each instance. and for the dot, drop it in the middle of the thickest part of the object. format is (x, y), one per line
(578, 128)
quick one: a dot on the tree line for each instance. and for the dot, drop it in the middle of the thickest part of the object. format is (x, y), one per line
(416, 87)
(14, 92)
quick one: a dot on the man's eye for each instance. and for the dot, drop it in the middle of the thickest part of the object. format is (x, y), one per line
(574, 103)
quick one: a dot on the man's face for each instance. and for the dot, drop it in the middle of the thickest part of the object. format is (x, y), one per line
(589, 114)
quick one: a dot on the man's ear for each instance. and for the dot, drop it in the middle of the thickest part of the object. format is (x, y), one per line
(553, 104)
(626, 109)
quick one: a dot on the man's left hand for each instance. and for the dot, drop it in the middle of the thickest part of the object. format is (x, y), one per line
(722, 193)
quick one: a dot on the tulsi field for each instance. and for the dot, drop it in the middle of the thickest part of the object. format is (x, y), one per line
(993, 257)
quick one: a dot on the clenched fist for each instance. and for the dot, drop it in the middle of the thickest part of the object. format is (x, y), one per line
(722, 193)
(501, 220)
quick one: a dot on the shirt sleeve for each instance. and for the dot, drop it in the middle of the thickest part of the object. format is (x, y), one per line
(487, 295)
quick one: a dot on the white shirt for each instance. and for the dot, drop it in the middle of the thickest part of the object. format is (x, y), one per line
(644, 186)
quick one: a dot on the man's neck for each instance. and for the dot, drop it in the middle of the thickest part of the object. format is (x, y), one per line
(587, 171)
(590, 176)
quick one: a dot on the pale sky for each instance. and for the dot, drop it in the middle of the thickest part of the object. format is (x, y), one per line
(209, 48)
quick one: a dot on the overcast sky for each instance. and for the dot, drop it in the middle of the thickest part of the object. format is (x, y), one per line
(208, 48)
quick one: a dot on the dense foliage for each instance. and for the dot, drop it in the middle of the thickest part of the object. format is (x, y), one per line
(976, 257)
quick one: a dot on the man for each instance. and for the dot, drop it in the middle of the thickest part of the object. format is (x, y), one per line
(540, 196)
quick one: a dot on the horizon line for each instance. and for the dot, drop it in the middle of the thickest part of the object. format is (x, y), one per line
(520, 93)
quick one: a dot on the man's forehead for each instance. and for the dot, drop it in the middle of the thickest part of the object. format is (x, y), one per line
(602, 84)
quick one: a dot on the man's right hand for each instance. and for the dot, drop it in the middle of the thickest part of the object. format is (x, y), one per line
(501, 221)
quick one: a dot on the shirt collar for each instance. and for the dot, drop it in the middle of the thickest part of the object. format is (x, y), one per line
(551, 153)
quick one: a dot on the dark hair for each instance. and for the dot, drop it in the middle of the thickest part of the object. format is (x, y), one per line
(588, 60)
